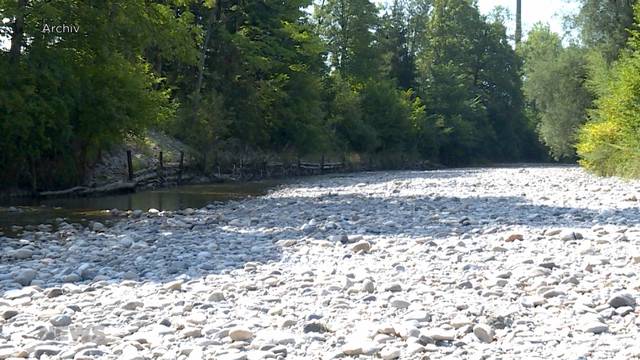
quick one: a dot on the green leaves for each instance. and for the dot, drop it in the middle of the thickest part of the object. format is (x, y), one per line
(349, 27)
(604, 25)
(425, 79)
(609, 143)
(470, 82)
(73, 94)
(555, 86)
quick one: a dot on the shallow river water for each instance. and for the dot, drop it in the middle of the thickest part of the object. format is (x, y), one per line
(25, 212)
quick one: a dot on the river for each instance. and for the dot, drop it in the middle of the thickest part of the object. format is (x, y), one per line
(26, 212)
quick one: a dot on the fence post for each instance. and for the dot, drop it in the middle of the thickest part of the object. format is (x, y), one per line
(322, 164)
(130, 165)
(204, 162)
(180, 167)
(34, 177)
(161, 167)
(216, 162)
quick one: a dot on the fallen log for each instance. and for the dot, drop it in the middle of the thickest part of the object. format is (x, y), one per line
(117, 187)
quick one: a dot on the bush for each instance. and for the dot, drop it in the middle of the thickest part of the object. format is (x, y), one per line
(610, 143)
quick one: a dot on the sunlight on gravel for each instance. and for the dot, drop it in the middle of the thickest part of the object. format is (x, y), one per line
(511, 263)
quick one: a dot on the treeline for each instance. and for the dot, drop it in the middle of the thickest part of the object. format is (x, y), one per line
(422, 79)
(585, 91)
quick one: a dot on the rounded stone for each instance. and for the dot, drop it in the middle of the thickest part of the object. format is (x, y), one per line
(240, 333)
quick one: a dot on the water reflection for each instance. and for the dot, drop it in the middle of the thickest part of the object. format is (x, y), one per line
(34, 212)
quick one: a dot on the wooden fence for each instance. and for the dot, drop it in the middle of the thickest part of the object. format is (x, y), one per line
(180, 171)
(175, 172)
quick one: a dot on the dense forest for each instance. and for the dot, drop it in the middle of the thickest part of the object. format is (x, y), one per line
(424, 80)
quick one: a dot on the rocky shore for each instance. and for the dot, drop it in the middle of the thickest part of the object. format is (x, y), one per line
(513, 263)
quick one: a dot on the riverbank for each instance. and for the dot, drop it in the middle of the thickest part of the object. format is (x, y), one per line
(248, 173)
(31, 213)
(157, 161)
(20, 213)
(477, 263)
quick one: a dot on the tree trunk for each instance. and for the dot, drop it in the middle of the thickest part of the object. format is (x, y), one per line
(33, 171)
(17, 35)
(203, 52)
(321, 17)
(518, 22)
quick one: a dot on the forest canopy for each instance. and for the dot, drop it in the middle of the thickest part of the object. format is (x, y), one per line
(426, 80)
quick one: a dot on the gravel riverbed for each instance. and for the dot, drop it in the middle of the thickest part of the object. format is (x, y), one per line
(504, 263)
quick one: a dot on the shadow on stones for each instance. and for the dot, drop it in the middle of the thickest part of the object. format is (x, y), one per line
(202, 244)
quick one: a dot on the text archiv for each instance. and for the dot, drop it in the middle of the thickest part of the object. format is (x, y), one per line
(60, 29)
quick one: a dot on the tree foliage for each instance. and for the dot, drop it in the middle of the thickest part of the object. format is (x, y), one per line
(421, 79)
(472, 86)
(66, 96)
(555, 86)
(610, 142)
(603, 25)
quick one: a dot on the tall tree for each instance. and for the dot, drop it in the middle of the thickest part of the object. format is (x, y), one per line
(609, 142)
(399, 60)
(555, 86)
(349, 27)
(17, 34)
(604, 25)
(260, 76)
(518, 22)
(449, 69)
(69, 95)
(418, 13)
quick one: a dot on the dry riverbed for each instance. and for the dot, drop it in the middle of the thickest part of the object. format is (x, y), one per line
(514, 263)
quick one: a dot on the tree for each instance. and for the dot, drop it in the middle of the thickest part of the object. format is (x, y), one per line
(471, 85)
(388, 111)
(609, 142)
(500, 84)
(399, 60)
(555, 86)
(345, 118)
(68, 96)
(429, 79)
(518, 22)
(418, 14)
(349, 27)
(603, 25)
(262, 71)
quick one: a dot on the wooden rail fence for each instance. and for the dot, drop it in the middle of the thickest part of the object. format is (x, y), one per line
(175, 171)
